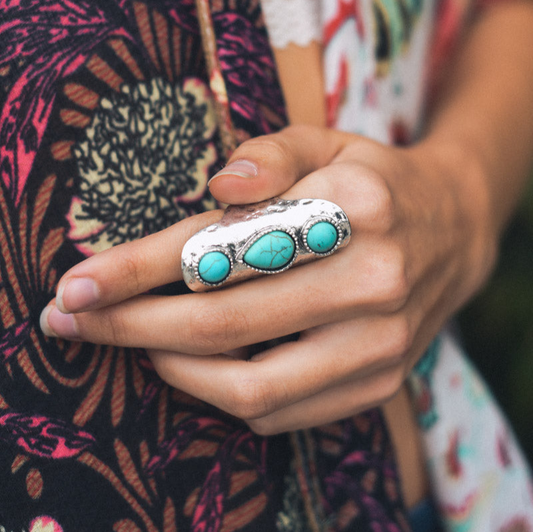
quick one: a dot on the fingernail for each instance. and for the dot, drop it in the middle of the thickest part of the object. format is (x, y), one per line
(55, 323)
(241, 168)
(77, 294)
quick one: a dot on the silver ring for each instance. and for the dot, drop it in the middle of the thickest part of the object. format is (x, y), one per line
(263, 238)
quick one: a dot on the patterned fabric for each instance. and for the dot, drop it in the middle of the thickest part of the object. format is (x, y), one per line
(375, 66)
(108, 133)
(375, 85)
(479, 475)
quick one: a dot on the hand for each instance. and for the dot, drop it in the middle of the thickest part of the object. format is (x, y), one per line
(365, 314)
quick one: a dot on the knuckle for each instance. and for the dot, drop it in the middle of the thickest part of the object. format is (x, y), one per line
(131, 267)
(262, 426)
(164, 369)
(394, 284)
(116, 328)
(252, 399)
(379, 207)
(390, 385)
(273, 148)
(383, 207)
(300, 131)
(213, 329)
(400, 340)
(279, 148)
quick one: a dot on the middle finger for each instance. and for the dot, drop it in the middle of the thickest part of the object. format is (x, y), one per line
(329, 290)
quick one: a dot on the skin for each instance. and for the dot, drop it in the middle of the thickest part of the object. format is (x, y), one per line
(426, 221)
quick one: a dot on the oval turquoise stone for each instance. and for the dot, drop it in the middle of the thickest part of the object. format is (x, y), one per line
(214, 267)
(272, 251)
(322, 237)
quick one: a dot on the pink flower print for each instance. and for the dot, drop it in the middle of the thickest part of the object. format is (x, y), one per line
(12, 340)
(42, 42)
(45, 524)
(43, 436)
(249, 72)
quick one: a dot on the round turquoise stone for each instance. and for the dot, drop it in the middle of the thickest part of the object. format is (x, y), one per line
(322, 237)
(272, 251)
(214, 267)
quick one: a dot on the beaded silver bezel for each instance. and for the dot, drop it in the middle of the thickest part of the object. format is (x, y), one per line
(243, 225)
(224, 252)
(307, 227)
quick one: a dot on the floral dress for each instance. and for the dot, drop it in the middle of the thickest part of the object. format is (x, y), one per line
(108, 132)
(112, 119)
(381, 59)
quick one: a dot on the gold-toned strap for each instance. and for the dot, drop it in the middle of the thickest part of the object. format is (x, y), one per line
(216, 80)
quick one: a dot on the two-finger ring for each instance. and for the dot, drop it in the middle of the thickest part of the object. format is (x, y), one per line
(263, 238)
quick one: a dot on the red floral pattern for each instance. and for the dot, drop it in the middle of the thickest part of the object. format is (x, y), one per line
(94, 426)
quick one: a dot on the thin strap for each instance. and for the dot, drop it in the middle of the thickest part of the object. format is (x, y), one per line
(216, 80)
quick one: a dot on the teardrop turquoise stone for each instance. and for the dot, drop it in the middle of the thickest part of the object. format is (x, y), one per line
(322, 237)
(272, 251)
(214, 267)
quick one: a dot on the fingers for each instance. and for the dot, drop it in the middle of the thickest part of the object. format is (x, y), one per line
(367, 276)
(336, 403)
(358, 190)
(203, 324)
(275, 163)
(129, 269)
(133, 268)
(265, 167)
(293, 372)
(345, 285)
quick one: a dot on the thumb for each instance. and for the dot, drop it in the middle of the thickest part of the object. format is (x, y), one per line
(267, 166)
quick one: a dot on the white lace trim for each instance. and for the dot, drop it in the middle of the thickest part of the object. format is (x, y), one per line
(292, 21)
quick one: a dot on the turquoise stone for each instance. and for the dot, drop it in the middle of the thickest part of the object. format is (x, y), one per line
(322, 237)
(272, 251)
(214, 267)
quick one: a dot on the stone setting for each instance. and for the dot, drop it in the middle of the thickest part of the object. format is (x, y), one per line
(271, 252)
(322, 237)
(263, 238)
(214, 267)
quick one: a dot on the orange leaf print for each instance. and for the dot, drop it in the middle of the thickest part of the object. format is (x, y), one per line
(118, 398)
(129, 470)
(169, 516)
(34, 483)
(93, 398)
(125, 525)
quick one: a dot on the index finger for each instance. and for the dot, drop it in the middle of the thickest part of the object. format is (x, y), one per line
(281, 160)
(134, 268)
(129, 269)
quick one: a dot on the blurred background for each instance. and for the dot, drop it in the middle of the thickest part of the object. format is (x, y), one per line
(497, 326)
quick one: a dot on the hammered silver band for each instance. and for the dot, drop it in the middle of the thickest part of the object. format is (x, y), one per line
(263, 238)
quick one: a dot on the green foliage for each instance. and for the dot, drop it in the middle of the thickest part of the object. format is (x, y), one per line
(497, 326)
